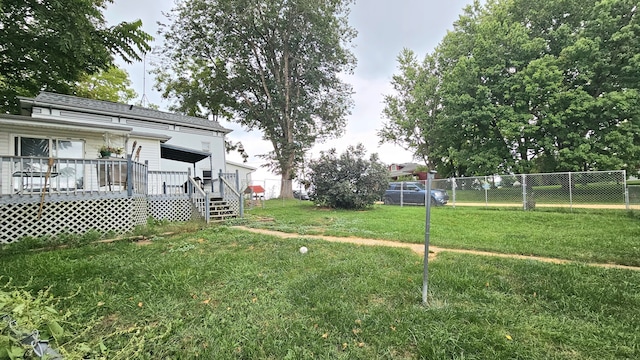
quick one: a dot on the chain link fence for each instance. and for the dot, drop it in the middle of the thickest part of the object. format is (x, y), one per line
(593, 189)
(633, 194)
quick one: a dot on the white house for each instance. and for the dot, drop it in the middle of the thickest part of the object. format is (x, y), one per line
(168, 141)
(244, 173)
(51, 154)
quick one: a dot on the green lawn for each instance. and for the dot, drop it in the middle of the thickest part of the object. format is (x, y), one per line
(226, 294)
(608, 236)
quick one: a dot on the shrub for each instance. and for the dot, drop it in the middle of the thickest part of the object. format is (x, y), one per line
(349, 181)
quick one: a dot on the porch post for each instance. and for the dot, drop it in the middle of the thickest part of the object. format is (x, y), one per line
(146, 176)
(221, 184)
(129, 176)
(211, 167)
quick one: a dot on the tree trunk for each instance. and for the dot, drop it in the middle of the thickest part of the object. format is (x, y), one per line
(286, 184)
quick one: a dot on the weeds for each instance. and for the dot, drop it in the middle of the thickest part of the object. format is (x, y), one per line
(224, 293)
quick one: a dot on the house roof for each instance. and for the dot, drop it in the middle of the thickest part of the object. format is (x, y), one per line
(20, 120)
(240, 165)
(47, 99)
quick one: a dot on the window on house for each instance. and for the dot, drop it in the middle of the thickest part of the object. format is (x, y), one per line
(67, 174)
(33, 147)
(38, 147)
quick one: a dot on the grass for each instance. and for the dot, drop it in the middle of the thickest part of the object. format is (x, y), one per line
(226, 294)
(606, 236)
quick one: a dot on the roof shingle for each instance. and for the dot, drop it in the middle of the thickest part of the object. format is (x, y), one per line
(125, 110)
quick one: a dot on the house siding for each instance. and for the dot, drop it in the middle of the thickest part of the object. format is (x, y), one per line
(150, 151)
(182, 135)
(5, 167)
(244, 174)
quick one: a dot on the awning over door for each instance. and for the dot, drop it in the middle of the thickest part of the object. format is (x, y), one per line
(181, 154)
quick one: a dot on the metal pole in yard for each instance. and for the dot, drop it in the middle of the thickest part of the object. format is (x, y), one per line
(427, 228)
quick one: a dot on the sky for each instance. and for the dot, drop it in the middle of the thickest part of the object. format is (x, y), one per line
(384, 28)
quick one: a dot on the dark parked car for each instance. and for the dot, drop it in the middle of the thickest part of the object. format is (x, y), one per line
(302, 195)
(413, 193)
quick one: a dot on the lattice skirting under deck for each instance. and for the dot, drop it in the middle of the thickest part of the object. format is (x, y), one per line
(18, 220)
(172, 209)
(77, 217)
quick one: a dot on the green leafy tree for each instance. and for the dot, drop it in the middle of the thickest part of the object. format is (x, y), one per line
(348, 181)
(413, 110)
(199, 88)
(49, 45)
(279, 62)
(112, 84)
(539, 86)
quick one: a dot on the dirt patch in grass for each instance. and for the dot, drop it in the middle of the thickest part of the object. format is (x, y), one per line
(419, 248)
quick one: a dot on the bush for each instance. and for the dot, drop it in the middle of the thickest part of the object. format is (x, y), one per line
(349, 181)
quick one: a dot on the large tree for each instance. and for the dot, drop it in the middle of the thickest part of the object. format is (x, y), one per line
(49, 45)
(539, 86)
(411, 112)
(278, 60)
(112, 84)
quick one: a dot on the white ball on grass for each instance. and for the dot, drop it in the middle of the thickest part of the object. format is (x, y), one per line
(303, 250)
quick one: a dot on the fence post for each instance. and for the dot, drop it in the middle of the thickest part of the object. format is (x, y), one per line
(453, 190)
(570, 193)
(626, 189)
(129, 176)
(401, 193)
(524, 192)
(485, 186)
